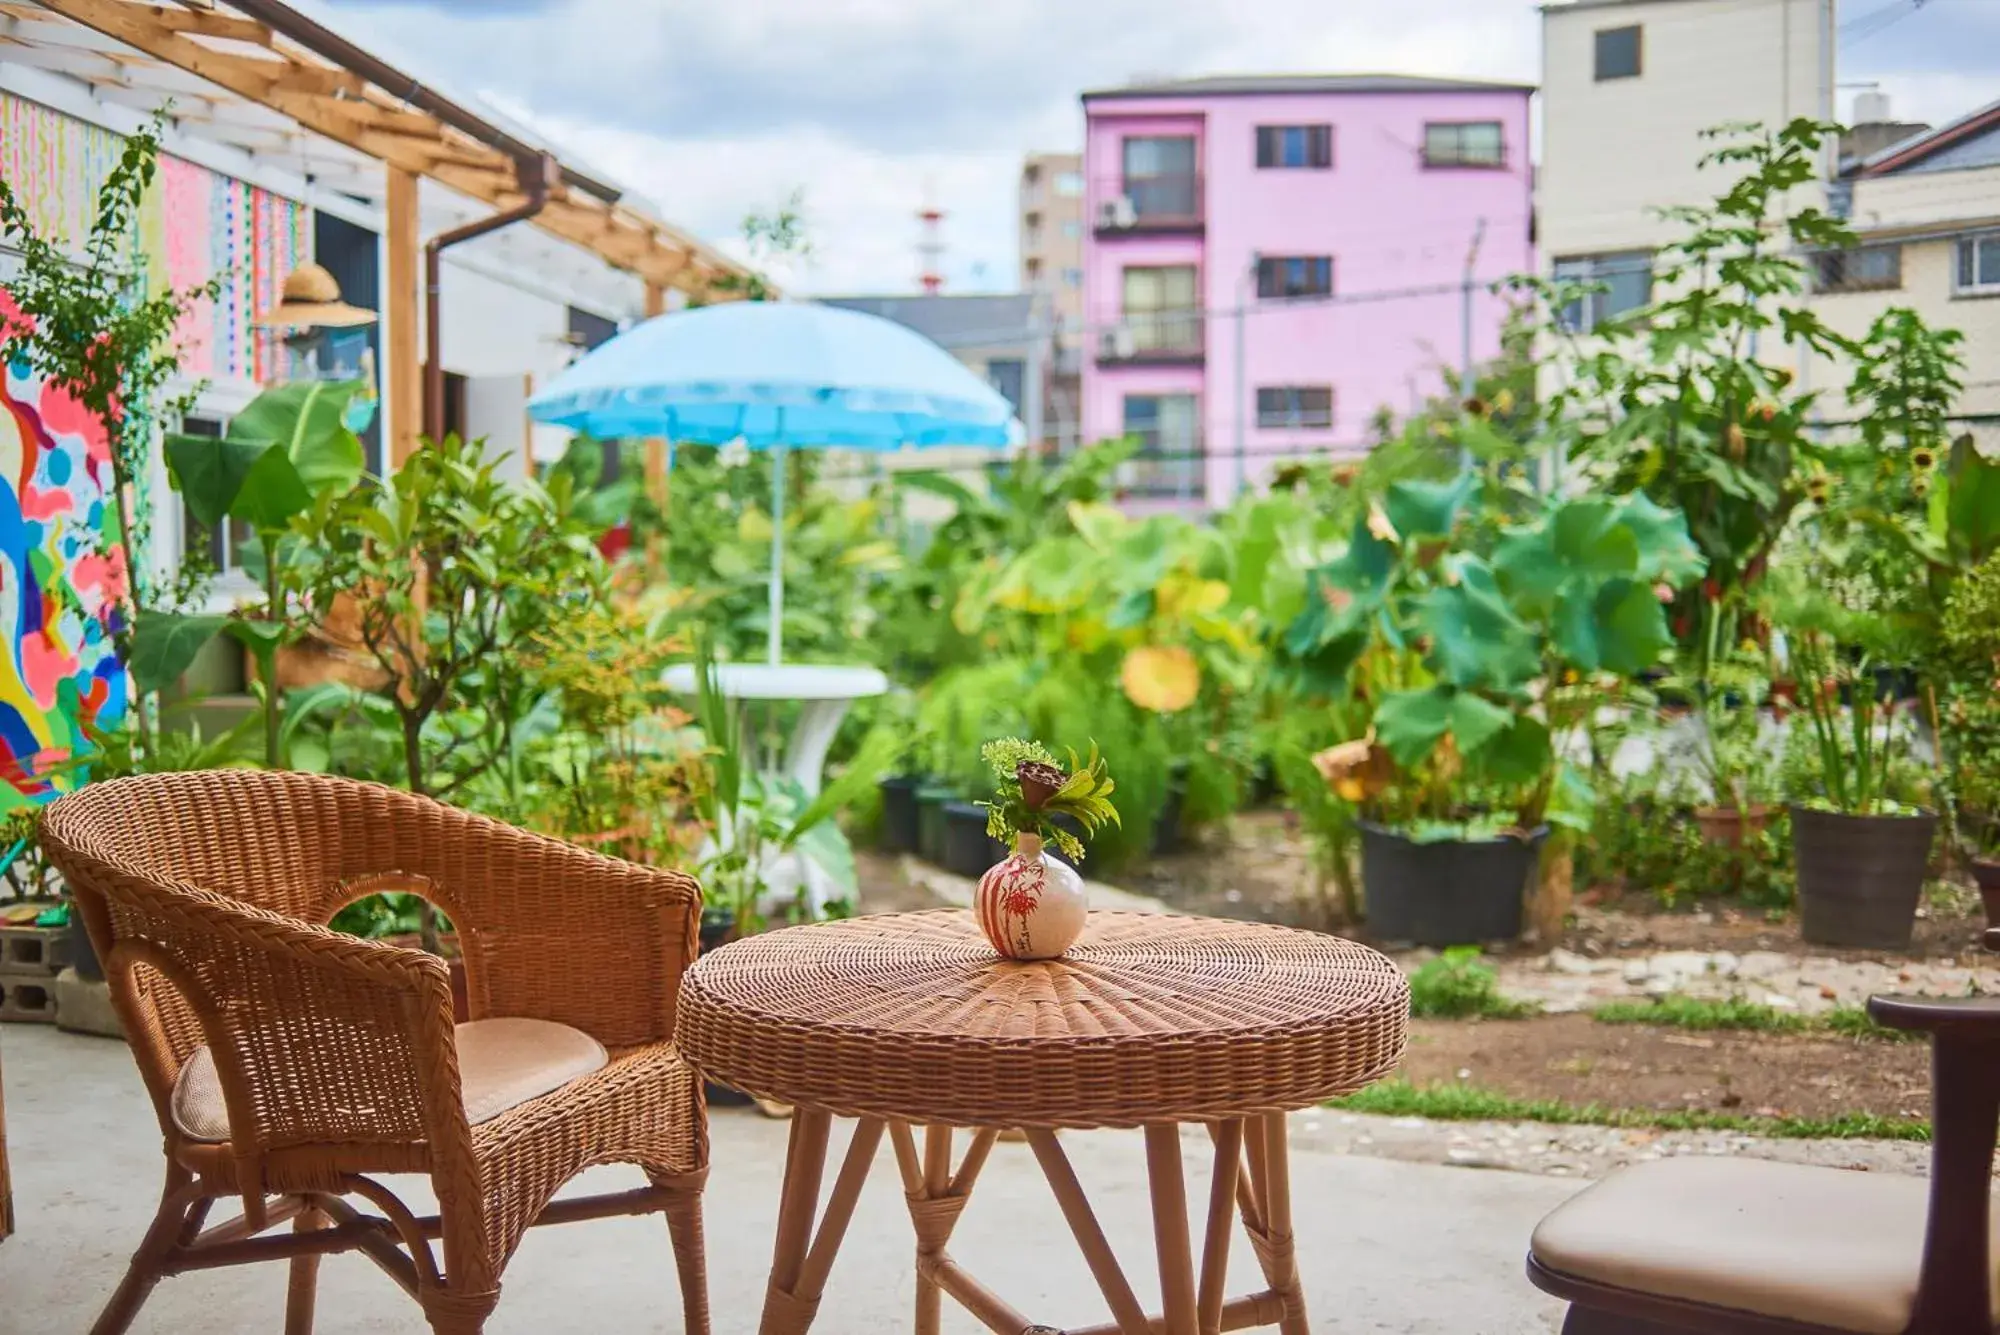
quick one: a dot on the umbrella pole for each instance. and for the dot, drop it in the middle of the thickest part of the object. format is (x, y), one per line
(777, 640)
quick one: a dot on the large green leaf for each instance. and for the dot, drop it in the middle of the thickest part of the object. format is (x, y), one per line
(1521, 754)
(209, 472)
(1973, 512)
(1419, 509)
(1476, 721)
(273, 491)
(1411, 723)
(307, 418)
(1665, 550)
(1632, 631)
(1475, 637)
(164, 645)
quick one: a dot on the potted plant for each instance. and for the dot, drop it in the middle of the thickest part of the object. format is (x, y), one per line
(1479, 649)
(1031, 906)
(1861, 851)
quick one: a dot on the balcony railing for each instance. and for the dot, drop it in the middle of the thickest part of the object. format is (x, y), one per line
(1170, 202)
(1172, 337)
(1175, 468)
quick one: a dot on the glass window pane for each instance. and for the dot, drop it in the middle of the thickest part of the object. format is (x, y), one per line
(1965, 264)
(1481, 142)
(1440, 143)
(1989, 261)
(1617, 51)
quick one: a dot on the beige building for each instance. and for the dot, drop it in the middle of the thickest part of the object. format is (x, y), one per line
(1926, 210)
(1051, 244)
(1627, 88)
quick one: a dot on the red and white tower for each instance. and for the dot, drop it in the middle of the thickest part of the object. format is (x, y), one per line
(930, 249)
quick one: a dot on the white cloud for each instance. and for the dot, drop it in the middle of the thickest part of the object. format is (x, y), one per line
(715, 109)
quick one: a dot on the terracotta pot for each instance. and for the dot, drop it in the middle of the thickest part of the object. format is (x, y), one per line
(1728, 827)
(1031, 906)
(1986, 875)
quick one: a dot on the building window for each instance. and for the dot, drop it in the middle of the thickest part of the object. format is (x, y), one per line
(1281, 276)
(1072, 278)
(1160, 309)
(1618, 53)
(1069, 184)
(1072, 228)
(1009, 375)
(1159, 177)
(1167, 428)
(1295, 146)
(1861, 269)
(1978, 265)
(1624, 282)
(1308, 406)
(1464, 144)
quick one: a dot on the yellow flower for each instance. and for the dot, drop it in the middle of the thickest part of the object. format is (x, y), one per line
(1379, 525)
(1162, 678)
(1923, 458)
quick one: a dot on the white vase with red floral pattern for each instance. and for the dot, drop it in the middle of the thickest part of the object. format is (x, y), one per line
(1031, 906)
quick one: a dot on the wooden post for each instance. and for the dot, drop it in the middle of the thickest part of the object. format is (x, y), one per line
(399, 309)
(6, 1187)
(656, 459)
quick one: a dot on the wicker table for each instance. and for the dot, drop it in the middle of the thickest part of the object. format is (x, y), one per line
(909, 1020)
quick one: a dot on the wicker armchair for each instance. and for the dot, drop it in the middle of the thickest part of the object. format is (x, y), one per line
(287, 1062)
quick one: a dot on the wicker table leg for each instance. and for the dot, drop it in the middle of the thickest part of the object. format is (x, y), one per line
(802, 1257)
(1267, 1215)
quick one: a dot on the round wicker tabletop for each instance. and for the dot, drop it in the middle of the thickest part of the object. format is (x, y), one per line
(1148, 1018)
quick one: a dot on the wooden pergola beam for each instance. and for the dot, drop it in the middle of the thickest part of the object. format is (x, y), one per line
(339, 105)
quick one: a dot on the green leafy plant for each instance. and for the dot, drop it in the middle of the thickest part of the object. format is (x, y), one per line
(1459, 985)
(288, 451)
(90, 327)
(1476, 656)
(1032, 790)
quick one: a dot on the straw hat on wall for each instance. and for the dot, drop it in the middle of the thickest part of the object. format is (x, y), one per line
(311, 300)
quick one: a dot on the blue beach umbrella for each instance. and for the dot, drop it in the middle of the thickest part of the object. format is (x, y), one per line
(779, 376)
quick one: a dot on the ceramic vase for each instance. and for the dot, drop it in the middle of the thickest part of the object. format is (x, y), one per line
(1031, 906)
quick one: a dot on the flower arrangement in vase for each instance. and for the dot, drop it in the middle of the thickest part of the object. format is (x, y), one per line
(1031, 905)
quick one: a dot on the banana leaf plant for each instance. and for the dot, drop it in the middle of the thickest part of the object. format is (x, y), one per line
(1477, 658)
(282, 456)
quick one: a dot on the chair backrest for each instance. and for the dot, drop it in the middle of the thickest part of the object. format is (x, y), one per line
(204, 894)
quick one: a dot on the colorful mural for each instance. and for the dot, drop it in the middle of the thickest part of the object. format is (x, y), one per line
(61, 581)
(196, 224)
(62, 578)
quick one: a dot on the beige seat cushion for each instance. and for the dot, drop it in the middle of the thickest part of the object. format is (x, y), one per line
(502, 1064)
(1822, 1246)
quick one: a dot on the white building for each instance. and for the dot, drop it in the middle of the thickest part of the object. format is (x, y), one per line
(1627, 88)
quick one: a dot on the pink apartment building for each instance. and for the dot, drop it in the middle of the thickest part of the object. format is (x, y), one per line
(1312, 231)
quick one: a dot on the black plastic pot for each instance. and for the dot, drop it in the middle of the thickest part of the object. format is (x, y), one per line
(931, 800)
(1860, 877)
(718, 929)
(967, 849)
(899, 812)
(82, 954)
(1448, 892)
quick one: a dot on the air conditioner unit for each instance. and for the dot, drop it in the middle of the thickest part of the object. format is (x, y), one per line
(1119, 212)
(1116, 344)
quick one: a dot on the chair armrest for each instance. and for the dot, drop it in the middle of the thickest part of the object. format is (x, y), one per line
(550, 931)
(1954, 1285)
(1969, 1019)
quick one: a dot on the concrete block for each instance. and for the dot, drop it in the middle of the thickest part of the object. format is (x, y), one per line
(27, 998)
(83, 1006)
(37, 950)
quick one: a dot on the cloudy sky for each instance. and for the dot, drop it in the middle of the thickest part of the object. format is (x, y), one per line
(714, 108)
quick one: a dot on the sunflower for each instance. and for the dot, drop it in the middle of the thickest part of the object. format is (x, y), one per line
(1923, 458)
(1818, 487)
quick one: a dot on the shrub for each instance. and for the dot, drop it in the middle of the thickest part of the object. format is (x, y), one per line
(1458, 985)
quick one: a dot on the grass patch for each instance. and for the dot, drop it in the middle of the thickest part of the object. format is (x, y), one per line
(1458, 985)
(1451, 1102)
(1684, 1012)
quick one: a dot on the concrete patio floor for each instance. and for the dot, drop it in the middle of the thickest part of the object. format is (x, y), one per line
(1385, 1246)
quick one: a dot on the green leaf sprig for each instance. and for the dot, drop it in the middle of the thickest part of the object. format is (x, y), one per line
(1031, 788)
